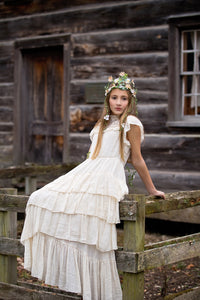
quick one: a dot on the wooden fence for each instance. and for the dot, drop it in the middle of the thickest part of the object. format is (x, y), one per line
(133, 259)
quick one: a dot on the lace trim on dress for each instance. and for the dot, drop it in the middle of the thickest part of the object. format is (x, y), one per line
(114, 125)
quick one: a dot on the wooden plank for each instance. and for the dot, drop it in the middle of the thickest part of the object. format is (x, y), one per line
(6, 114)
(83, 117)
(6, 89)
(136, 65)
(6, 155)
(7, 70)
(134, 233)
(87, 18)
(47, 289)
(66, 97)
(30, 185)
(12, 8)
(168, 181)
(128, 261)
(11, 247)
(42, 41)
(173, 152)
(8, 229)
(36, 170)
(134, 40)
(13, 203)
(11, 191)
(149, 89)
(47, 128)
(94, 93)
(10, 291)
(173, 201)
(153, 117)
(170, 254)
(191, 238)
(6, 126)
(128, 209)
(79, 146)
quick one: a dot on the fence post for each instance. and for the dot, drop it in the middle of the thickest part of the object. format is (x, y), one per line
(8, 228)
(134, 235)
(30, 185)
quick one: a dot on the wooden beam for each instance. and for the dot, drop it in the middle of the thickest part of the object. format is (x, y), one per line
(150, 64)
(134, 40)
(14, 203)
(128, 210)
(134, 232)
(187, 238)
(173, 201)
(168, 254)
(35, 170)
(10, 291)
(86, 19)
(11, 247)
(134, 262)
(8, 229)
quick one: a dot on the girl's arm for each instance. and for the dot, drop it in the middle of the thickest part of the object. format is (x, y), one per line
(134, 137)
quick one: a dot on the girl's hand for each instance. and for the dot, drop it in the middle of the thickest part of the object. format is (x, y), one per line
(158, 194)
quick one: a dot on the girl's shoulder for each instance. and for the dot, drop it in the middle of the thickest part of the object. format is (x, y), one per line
(133, 120)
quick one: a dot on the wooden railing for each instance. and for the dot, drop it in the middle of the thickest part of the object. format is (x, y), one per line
(133, 259)
(31, 172)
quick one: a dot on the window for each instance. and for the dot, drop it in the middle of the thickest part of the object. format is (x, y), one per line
(190, 72)
(184, 71)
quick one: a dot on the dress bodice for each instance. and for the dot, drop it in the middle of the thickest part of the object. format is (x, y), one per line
(110, 147)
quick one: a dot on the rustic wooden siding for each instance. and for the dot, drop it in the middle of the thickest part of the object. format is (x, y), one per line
(106, 38)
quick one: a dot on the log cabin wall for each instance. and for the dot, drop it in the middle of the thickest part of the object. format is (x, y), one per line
(106, 37)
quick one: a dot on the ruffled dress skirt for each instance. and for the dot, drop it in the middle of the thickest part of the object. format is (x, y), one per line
(70, 230)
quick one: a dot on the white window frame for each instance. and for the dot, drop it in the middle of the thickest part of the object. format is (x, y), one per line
(195, 73)
(177, 25)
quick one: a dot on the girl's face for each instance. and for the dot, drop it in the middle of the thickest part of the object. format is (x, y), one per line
(118, 101)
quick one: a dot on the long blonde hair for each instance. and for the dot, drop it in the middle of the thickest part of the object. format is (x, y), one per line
(131, 109)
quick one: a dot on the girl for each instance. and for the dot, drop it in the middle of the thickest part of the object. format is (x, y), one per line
(69, 233)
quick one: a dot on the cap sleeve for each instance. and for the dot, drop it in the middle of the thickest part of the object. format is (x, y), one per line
(132, 120)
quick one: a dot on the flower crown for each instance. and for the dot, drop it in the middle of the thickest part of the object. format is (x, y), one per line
(122, 83)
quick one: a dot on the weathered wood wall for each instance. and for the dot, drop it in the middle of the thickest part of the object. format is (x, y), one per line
(106, 38)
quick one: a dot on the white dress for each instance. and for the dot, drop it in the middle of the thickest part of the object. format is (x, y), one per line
(69, 232)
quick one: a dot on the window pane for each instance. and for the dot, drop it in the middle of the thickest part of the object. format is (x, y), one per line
(198, 39)
(187, 81)
(198, 95)
(188, 38)
(188, 62)
(188, 110)
(198, 105)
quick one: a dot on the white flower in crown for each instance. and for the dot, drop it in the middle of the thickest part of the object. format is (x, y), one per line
(128, 86)
(128, 80)
(121, 74)
(110, 79)
(116, 80)
(133, 92)
(106, 117)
